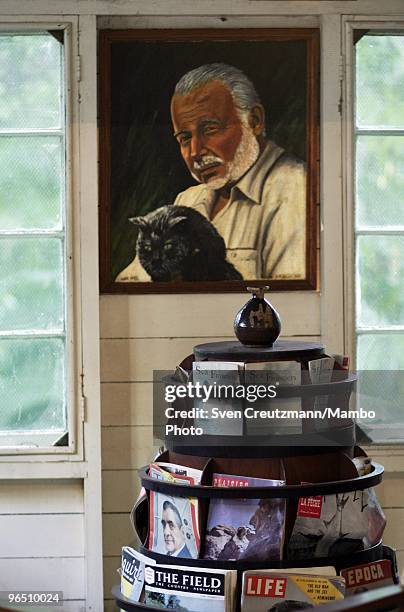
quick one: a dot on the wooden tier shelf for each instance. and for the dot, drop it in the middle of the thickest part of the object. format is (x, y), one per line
(281, 350)
(285, 492)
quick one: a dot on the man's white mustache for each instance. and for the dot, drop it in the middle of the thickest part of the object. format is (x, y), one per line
(207, 160)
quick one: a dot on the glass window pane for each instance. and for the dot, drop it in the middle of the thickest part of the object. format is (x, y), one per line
(380, 359)
(380, 180)
(32, 384)
(380, 274)
(380, 81)
(381, 352)
(31, 283)
(31, 178)
(30, 78)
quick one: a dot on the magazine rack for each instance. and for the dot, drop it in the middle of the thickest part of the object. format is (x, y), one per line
(290, 451)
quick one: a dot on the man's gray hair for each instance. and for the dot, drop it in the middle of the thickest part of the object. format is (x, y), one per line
(241, 88)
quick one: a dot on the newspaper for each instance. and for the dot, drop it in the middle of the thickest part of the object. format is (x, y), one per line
(320, 371)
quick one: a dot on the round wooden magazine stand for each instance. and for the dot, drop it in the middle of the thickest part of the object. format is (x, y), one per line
(335, 439)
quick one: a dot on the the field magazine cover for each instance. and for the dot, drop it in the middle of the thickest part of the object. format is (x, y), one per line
(248, 529)
(369, 576)
(280, 590)
(173, 522)
(132, 573)
(190, 589)
(340, 524)
(211, 375)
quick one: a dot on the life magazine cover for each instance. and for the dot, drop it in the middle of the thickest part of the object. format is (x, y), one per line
(190, 589)
(132, 573)
(277, 591)
(248, 529)
(173, 522)
(332, 525)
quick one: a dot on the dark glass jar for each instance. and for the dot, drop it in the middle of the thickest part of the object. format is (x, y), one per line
(257, 323)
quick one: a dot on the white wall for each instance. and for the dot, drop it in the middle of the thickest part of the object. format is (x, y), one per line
(42, 544)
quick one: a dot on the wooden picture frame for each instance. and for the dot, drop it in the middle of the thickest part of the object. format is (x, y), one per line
(141, 166)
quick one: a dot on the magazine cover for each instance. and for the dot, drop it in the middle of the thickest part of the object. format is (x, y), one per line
(369, 576)
(248, 529)
(339, 524)
(278, 591)
(190, 589)
(173, 522)
(132, 573)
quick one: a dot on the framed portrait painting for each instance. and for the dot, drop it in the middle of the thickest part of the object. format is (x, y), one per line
(209, 161)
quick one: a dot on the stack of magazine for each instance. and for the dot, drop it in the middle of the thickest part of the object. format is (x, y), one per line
(242, 529)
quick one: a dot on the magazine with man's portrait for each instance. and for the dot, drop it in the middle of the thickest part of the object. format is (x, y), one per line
(183, 512)
(209, 159)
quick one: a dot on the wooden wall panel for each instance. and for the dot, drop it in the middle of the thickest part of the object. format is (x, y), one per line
(118, 532)
(394, 534)
(53, 574)
(111, 576)
(390, 492)
(127, 403)
(41, 535)
(204, 315)
(133, 360)
(41, 496)
(120, 489)
(126, 447)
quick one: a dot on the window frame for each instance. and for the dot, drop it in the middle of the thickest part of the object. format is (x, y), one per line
(349, 25)
(75, 398)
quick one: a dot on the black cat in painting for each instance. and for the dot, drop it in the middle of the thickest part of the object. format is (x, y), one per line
(177, 243)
